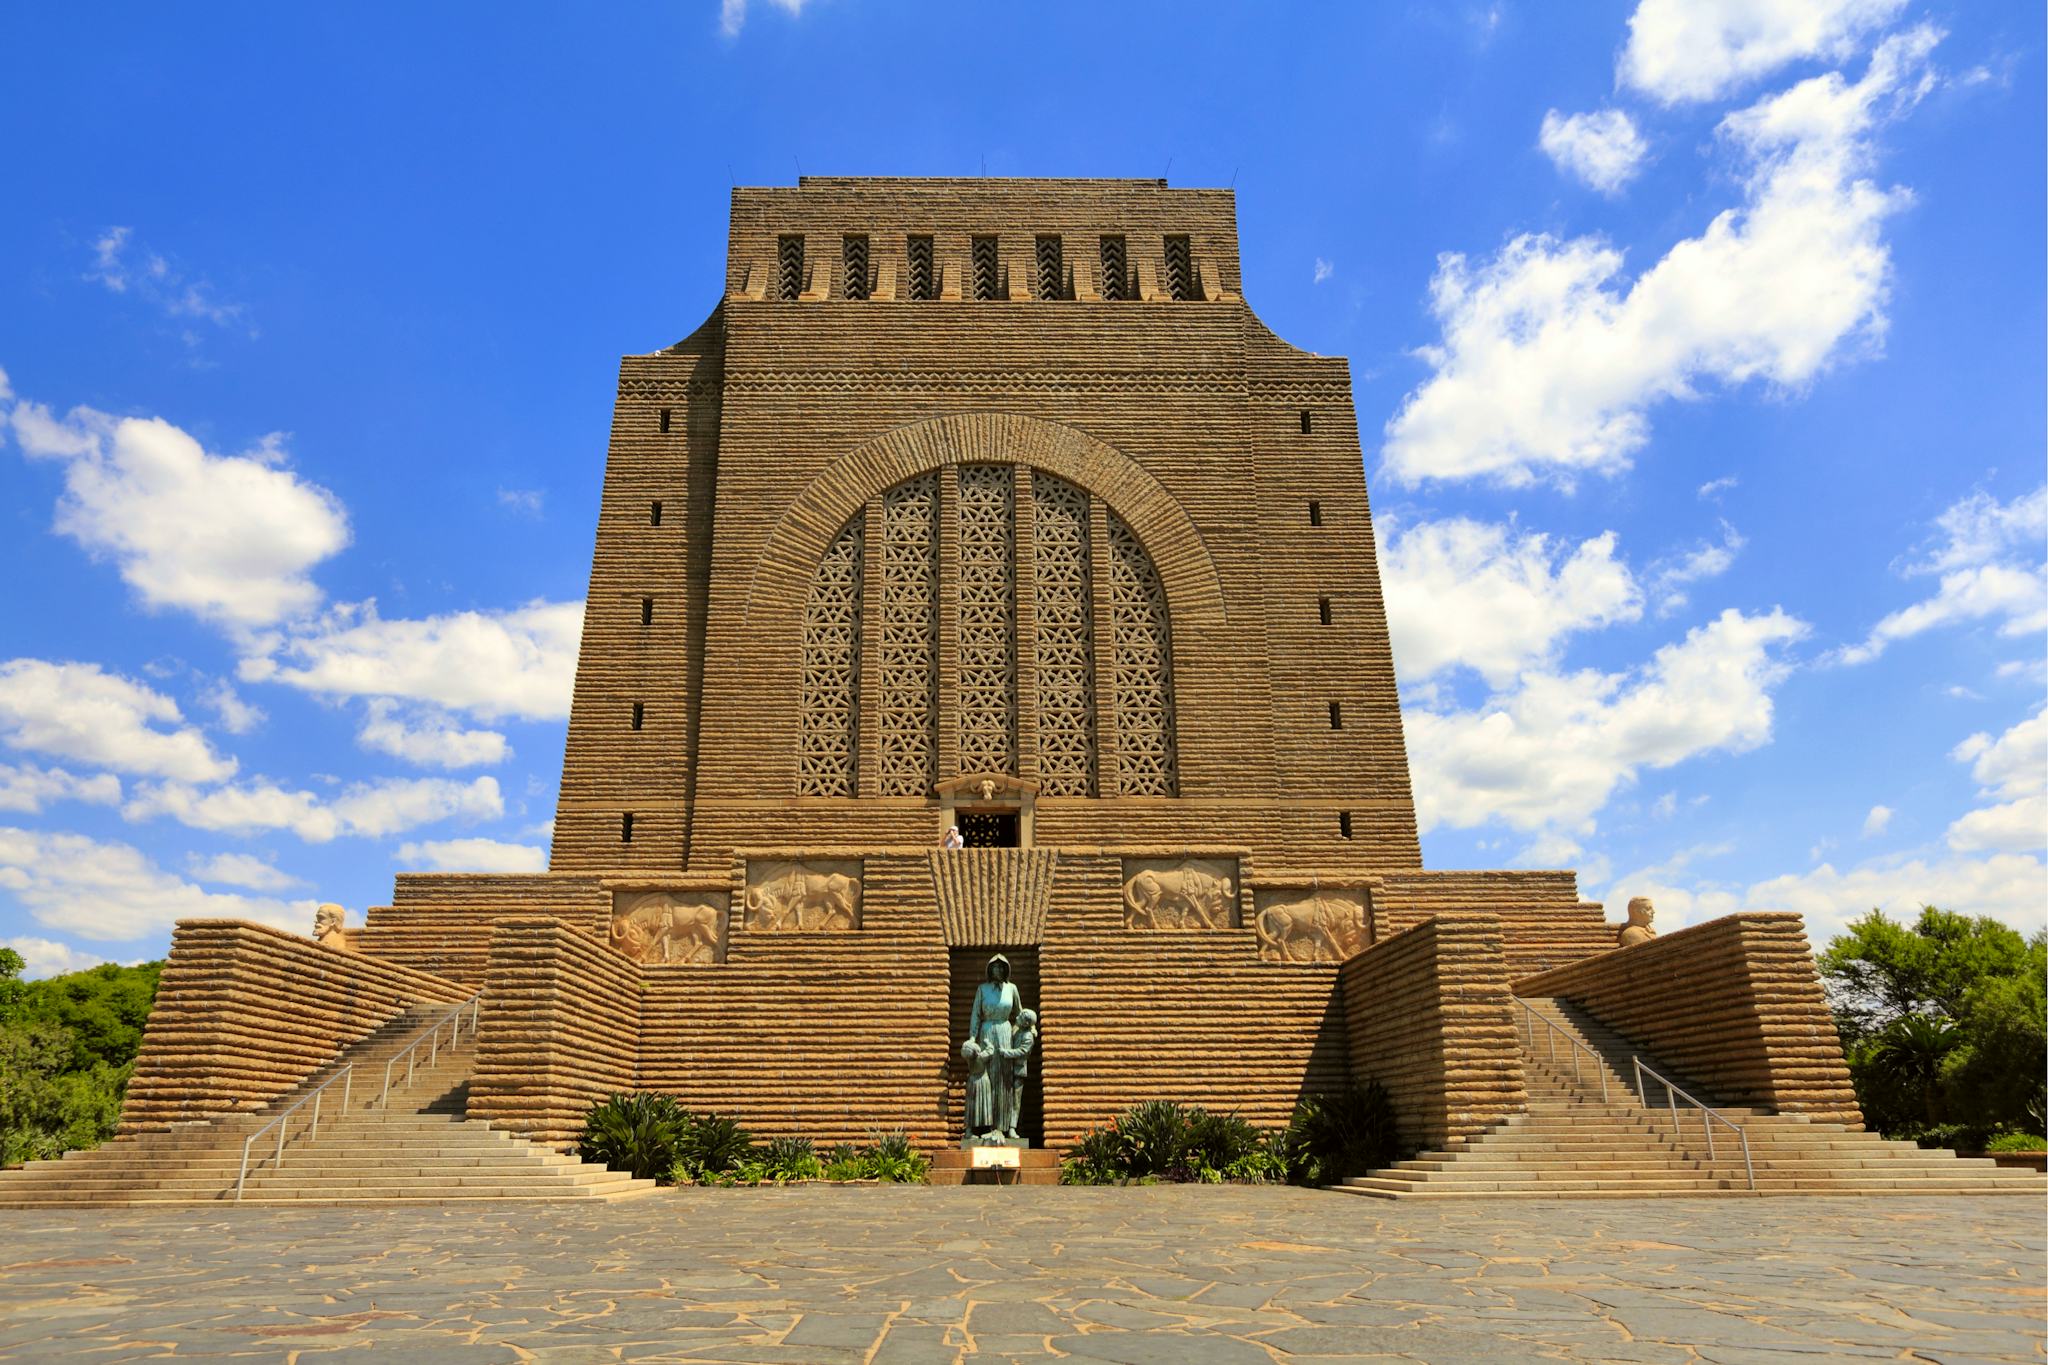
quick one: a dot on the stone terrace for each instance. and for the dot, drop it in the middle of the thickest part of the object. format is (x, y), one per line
(1162, 1274)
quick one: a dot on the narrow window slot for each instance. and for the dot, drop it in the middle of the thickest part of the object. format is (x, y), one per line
(1306, 424)
(646, 611)
(922, 283)
(855, 250)
(639, 713)
(1336, 715)
(1344, 824)
(1323, 609)
(654, 512)
(664, 418)
(1052, 268)
(1315, 513)
(626, 828)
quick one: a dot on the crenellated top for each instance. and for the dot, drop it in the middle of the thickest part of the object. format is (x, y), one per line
(880, 239)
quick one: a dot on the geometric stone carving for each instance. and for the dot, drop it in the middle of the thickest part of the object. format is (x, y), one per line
(1065, 597)
(1309, 923)
(670, 926)
(1180, 893)
(908, 629)
(802, 895)
(831, 676)
(1145, 760)
(987, 688)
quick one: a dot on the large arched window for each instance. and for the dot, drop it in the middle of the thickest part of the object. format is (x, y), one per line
(1035, 603)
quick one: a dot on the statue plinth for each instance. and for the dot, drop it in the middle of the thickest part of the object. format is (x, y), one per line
(970, 1142)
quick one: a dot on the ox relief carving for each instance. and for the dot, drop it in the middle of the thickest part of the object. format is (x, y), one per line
(1310, 923)
(802, 895)
(1180, 893)
(686, 927)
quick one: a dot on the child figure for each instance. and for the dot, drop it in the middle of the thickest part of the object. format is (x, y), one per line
(1017, 1057)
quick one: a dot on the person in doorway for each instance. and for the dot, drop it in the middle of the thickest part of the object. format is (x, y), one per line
(951, 838)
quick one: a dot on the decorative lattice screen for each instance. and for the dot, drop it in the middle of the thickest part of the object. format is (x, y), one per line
(1115, 270)
(1146, 762)
(1180, 269)
(908, 637)
(831, 687)
(988, 620)
(1065, 608)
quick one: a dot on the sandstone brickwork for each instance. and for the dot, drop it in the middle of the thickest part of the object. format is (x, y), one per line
(1429, 1015)
(1543, 923)
(244, 1013)
(1736, 1004)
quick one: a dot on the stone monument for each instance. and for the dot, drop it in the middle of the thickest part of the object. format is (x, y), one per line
(1000, 1036)
(1639, 928)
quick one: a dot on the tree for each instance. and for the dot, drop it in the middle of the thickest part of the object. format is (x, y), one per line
(67, 1046)
(1943, 1020)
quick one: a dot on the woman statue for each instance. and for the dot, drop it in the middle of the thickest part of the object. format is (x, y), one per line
(996, 1007)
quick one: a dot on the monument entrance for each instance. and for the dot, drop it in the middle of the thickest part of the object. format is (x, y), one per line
(968, 968)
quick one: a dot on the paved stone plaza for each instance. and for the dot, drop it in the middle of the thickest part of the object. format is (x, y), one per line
(1180, 1276)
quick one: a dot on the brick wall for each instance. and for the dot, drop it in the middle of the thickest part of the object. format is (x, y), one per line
(1430, 1017)
(560, 1029)
(1542, 922)
(244, 1013)
(441, 922)
(1734, 1004)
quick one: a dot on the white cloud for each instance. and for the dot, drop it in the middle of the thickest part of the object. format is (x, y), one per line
(1602, 149)
(243, 870)
(27, 788)
(527, 502)
(79, 712)
(474, 855)
(230, 538)
(365, 809)
(111, 892)
(124, 268)
(1479, 595)
(732, 14)
(237, 716)
(1877, 822)
(1549, 754)
(519, 663)
(2012, 771)
(1669, 579)
(1683, 50)
(1991, 562)
(1549, 363)
(1323, 270)
(1712, 489)
(428, 737)
(47, 957)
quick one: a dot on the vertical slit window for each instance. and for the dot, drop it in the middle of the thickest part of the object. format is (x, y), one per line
(654, 512)
(922, 281)
(639, 713)
(789, 267)
(1344, 824)
(646, 611)
(1180, 269)
(1116, 277)
(1336, 715)
(986, 267)
(1315, 513)
(855, 251)
(664, 418)
(1052, 268)
(626, 828)
(1323, 610)
(1305, 422)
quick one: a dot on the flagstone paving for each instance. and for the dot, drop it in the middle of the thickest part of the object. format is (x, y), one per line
(1177, 1276)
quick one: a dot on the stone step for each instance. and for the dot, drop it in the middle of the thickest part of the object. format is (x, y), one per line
(1568, 1192)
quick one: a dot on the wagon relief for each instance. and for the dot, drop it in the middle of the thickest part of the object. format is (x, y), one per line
(1180, 893)
(802, 895)
(667, 926)
(1310, 924)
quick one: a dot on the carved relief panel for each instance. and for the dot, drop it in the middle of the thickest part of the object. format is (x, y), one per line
(802, 895)
(670, 926)
(1180, 893)
(1310, 923)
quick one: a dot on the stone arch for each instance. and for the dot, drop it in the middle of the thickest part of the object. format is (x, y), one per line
(783, 575)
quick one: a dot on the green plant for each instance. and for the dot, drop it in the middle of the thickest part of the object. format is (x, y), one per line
(1262, 1166)
(791, 1158)
(2016, 1142)
(1155, 1140)
(1099, 1157)
(67, 1048)
(1341, 1133)
(1218, 1141)
(896, 1159)
(1911, 1051)
(712, 1145)
(635, 1133)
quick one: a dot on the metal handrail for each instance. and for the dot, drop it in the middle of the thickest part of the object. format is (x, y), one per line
(1553, 1032)
(1708, 1117)
(347, 1078)
(409, 1054)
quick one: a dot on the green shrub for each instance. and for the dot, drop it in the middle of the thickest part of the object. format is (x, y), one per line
(1216, 1142)
(635, 1133)
(712, 1145)
(792, 1158)
(1341, 1133)
(2016, 1142)
(67, 1048)
(896, 1159)
(1161, 1140)
(1155, 1136)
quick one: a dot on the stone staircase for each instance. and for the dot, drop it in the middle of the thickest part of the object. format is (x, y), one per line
(419, 1148)
(1574, 1144)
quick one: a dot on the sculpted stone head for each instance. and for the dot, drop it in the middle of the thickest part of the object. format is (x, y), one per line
(327, 926)
(1640, 911)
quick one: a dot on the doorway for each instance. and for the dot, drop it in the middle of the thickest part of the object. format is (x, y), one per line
(988, 828)
(968, 967)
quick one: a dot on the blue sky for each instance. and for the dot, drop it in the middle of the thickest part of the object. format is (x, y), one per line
(1698, 352)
